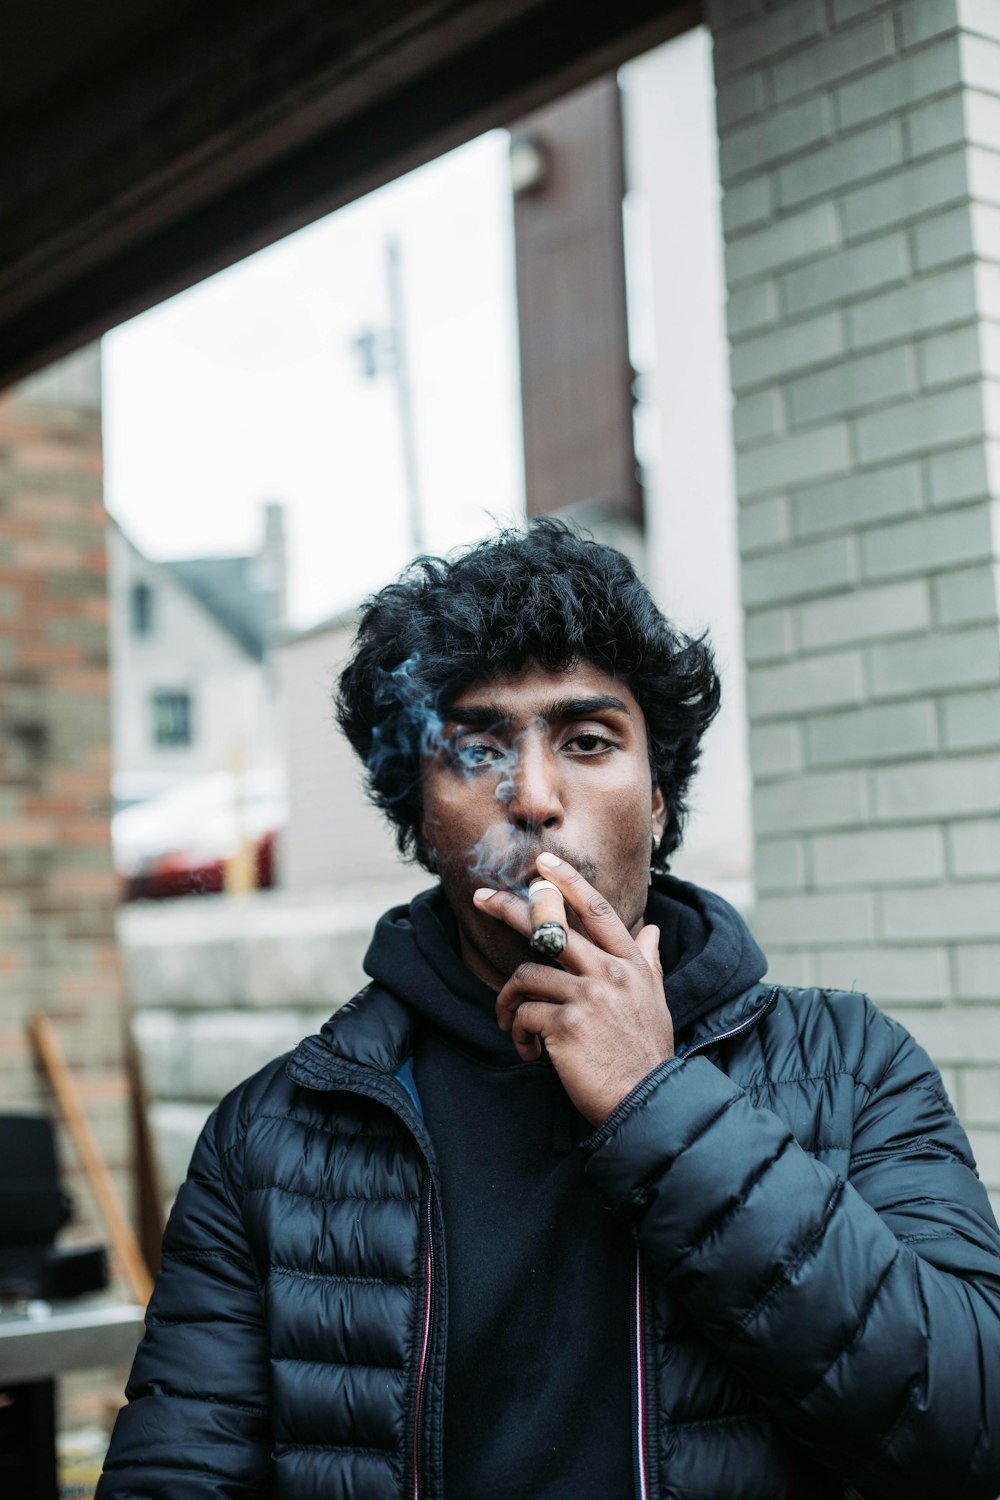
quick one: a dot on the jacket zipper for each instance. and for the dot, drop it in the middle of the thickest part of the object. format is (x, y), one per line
(639, 1389)
(380, 1095)
(639, 1381)
(424, 1346)
(724, 1036)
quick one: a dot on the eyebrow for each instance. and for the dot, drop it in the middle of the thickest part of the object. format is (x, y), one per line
(558, 711)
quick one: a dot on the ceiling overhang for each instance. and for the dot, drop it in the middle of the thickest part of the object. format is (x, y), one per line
(143, 154)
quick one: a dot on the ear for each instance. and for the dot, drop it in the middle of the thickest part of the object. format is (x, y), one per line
(659, 812)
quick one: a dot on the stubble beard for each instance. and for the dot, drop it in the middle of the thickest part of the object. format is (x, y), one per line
(503, 949)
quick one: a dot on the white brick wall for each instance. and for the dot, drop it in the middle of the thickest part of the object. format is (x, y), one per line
(860, 498)
(781, 864)
(851, 384)
(952, 787)
(972, 720)
(866, 736)
(974, 850)
(775, 749)
(768, 634)
(977, 967)
(787, 350)
(894, 976)
(981, 1096)
(942, 912)
(860, 157)
(810, 801)
(983, 181)
(958, 475)
(921, 546)
(846, 916)
(966, 596)
(864, 613)
(793, 238)
(906, 195)
(811, 682)
(958, 658)
(802, 569)
(879, 856)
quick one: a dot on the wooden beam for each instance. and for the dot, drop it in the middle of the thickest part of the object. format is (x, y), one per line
(245, 122)
(124, 1244)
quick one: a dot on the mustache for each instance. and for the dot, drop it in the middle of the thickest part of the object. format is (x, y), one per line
(504, 858)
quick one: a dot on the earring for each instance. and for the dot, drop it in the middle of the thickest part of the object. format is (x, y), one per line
(655, 849)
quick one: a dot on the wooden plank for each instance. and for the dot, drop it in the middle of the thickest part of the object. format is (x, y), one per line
(124, 1244)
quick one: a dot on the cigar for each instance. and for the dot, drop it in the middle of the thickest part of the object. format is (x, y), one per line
(548, 918)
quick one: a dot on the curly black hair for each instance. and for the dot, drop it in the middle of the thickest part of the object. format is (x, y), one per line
(547, 595)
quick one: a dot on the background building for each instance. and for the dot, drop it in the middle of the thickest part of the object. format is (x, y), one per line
(191, 650)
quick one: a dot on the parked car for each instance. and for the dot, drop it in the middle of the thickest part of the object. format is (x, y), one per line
(176, 841)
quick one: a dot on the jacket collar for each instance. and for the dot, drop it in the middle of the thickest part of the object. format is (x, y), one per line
(374, 1030)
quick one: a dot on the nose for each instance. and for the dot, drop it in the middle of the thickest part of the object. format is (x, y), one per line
(536, 800)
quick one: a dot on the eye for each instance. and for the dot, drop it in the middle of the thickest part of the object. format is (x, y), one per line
(473, 753)
(588, 742)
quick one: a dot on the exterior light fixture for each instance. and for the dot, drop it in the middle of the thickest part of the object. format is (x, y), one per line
(529, 164)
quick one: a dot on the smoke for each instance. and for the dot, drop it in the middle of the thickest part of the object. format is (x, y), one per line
(504, 858)
(410, 731)
(507, 787)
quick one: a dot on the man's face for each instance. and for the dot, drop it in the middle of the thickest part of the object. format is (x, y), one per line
(542, 760)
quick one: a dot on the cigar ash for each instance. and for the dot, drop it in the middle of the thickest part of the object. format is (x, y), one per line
(548, 918)
(549, 939)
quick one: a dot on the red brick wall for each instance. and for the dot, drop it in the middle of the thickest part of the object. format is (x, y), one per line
(57, 885)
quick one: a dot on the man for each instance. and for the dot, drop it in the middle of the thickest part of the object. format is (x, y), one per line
(631, 1222)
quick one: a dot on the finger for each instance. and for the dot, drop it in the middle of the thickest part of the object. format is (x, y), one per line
(598, 918)
(534, 982)
(530, 1024)
(648, 944)
(507, 907)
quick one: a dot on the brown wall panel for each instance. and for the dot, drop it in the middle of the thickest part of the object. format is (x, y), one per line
(576, 380)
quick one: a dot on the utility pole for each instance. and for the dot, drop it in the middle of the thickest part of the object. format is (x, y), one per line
(384, 352)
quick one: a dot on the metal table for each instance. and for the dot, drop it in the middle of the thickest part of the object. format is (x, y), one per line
(38, 1343)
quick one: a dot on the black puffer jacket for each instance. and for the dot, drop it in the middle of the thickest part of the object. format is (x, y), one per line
(818, 1274)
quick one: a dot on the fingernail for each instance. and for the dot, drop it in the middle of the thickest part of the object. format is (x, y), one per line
(483, 894)
(550, 861)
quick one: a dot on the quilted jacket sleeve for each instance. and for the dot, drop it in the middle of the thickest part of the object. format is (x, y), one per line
(865, 1313)
(196, 1425)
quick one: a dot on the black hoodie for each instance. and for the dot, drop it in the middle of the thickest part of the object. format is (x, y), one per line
(540, 1276)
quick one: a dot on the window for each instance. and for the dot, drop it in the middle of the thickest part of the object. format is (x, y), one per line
(172, 718)
(141, 609)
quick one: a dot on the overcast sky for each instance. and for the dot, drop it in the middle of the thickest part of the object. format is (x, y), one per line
(248, 387)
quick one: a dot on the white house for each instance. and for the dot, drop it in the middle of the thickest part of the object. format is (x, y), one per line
(194, 691)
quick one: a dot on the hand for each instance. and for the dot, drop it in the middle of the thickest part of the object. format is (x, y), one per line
(602, 1013)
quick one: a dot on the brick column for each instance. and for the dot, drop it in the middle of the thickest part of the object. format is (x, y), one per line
(860, 160)
(58, 891)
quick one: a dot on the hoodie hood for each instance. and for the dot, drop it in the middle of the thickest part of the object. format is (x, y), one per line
(708, 955)
(414, 954)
